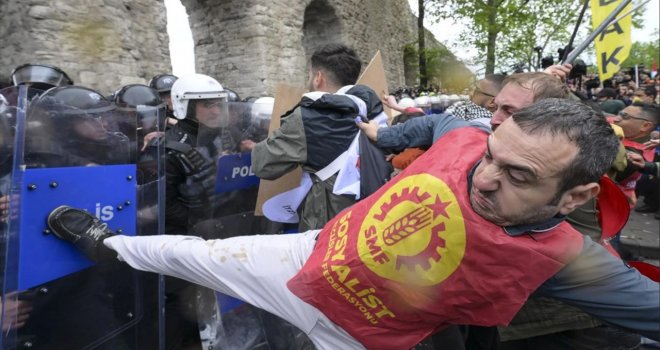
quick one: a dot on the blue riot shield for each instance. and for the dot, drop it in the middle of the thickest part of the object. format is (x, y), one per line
(82, 155)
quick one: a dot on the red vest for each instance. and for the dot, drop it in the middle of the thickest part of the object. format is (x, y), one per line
(414, 258)
(648, 154)
(628, 184)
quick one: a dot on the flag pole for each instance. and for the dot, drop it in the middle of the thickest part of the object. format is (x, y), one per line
(629, 12)
(606, 22)
(577, 26)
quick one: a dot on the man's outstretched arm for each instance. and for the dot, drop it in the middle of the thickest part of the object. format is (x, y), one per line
(603, 286)
(422, 131)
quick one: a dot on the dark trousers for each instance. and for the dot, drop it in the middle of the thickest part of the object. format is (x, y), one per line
(650, 189)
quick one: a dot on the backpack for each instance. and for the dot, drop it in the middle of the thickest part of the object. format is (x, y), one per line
(375, 171)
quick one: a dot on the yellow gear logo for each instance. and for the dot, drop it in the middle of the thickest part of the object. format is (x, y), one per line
(414, 233)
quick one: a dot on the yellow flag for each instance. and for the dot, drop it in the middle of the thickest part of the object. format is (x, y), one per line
(613, 44)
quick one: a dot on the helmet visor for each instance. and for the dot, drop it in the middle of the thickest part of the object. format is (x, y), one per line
(31, 74)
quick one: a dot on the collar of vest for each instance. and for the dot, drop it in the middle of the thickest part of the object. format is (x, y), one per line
(518, 230)
(188, 125)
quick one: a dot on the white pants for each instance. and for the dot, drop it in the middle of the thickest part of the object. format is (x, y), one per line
(254, 269)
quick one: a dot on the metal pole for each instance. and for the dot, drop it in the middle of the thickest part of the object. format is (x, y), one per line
(577, 26)
(583, 45)
(629, 12)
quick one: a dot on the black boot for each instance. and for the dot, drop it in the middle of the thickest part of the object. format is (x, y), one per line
(82, 229)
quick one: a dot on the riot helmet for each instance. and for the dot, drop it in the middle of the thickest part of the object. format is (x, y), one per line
(262, 106)
(260, 115)
(162, 82)
(232, 96)
(422, 101)
(194, 87)
(84, 123)
(144, 103)
(80, 98)
(75, 103)
(133, 95)
(40, 76)
(406, 102)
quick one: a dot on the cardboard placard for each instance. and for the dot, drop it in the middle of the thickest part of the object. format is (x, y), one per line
(374, 77)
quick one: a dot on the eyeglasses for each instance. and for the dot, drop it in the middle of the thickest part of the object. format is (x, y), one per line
(477, 90)
(627, 116)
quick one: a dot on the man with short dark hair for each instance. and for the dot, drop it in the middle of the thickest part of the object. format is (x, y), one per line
(318, 131)
(519, 91)
(333, 66)
(463, 236)
(638, 120)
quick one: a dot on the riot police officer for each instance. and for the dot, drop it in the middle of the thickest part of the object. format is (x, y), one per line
(199, 104)
(196, 146)
(197, 101)
(68, 136)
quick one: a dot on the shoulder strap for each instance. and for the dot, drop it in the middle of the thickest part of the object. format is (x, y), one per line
(338, 163)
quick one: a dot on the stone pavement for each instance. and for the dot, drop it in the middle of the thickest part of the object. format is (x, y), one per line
(641, 236)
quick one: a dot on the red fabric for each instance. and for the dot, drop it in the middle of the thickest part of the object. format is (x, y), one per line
(411, 110)
(646, 269)
(648, 154)
(613, 208)
(403, 159)
(414, 258)
(628, 184)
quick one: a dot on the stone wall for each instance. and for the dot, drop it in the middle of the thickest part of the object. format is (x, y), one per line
(248, 45)
(251, 46)
(103, 44)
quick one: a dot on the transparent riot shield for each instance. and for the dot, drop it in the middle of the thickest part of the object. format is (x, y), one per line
(227, 190)
(79, 156)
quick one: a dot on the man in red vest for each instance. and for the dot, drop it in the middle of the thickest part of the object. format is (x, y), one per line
(637, 121)
(463, 236)
(550, 319)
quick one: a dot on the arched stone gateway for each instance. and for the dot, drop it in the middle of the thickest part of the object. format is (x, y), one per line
(248, 45)
(320, 26)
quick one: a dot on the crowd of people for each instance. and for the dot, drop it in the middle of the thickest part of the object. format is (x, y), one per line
(494, 227)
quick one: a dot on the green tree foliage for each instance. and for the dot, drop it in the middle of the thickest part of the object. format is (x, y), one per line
(442, 67)
(508, 30)
(644, 53)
